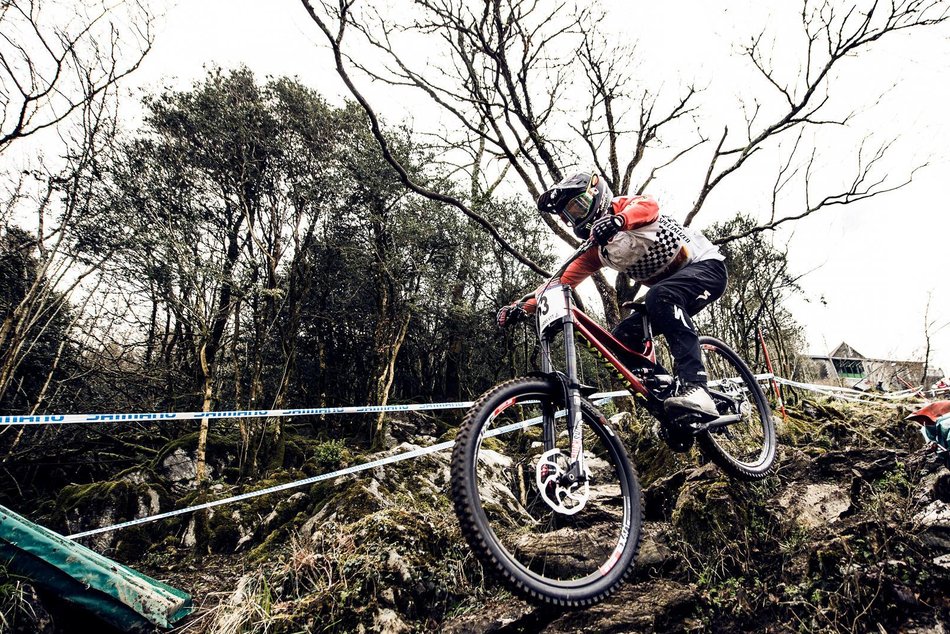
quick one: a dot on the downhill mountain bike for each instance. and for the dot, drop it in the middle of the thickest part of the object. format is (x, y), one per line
(542, 486)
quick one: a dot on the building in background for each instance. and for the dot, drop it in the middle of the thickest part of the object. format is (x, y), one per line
(846, 367)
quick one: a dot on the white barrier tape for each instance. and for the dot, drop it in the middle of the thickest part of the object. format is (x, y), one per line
(601, 397)
(45, 419)
(415, 453)
(42, 419)
(64, 419)
(846, 393)
(849, 395)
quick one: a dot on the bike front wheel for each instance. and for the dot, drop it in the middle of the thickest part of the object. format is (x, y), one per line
(564, 546)
(746, 448)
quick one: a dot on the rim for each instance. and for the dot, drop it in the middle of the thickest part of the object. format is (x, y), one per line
(569, 551)
(747, 441)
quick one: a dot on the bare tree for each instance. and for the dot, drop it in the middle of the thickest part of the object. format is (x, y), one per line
(506, 73)
(60, 199)
(60, 64)
(831, 34)
(928, 328)
(56, 57)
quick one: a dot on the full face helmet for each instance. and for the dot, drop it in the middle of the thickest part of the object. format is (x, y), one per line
(579, 200)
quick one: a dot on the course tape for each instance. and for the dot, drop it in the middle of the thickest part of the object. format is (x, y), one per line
(65, 419)
(44, 419)
(892, 399)
(414, 453)
(598, 398)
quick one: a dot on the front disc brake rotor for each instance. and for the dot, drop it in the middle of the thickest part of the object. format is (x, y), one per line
(565, 500)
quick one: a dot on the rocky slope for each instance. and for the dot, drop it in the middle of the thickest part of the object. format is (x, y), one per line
(851, 534)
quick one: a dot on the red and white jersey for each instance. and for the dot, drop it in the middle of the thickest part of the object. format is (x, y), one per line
(650, 247)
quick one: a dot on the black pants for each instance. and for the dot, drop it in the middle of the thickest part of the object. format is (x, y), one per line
(670, 304)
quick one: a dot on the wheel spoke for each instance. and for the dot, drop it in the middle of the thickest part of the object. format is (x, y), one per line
(746, 447)
(584, 544)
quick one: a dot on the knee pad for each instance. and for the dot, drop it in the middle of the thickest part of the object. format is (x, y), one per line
(666, 313)
(658, 299)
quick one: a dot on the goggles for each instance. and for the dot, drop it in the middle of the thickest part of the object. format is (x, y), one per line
(577, 208)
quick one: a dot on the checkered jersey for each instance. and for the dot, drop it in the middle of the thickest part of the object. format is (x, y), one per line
(655, 251)
(670, 238)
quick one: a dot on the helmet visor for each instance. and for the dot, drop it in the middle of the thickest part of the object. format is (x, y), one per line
(577, 208)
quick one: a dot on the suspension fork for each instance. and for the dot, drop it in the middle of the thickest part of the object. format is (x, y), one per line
(547, 409)
(575, 428)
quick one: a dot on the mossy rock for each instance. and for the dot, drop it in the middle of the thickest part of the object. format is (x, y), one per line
(222, 452)
(96, 504)
(707, 513)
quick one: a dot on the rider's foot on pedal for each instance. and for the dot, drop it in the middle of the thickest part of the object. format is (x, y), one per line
(694, 398)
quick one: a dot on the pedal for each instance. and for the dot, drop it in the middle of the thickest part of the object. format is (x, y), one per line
(696, 418)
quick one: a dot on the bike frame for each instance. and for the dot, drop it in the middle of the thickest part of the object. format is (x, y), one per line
(576, 322)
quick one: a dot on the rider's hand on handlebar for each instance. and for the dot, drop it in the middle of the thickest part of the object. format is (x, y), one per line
(511, 314)
(606, 228)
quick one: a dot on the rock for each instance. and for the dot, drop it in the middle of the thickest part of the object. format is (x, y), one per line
(621, 420)
(153, 503)
(706, 512)
(179, 467)
(866, 463)
(410, 426)
(934, 522)
(935, 515)
(943, 561)
(660, 605)
(245, 533)
(388, 596)
(188, 540)
(705, 472)
(492, 617)
(813, 505)
(660, 497)
(388, 622)
(396, 563)
(924, 628)
(282, 507)
(941, 486)
(655, 553)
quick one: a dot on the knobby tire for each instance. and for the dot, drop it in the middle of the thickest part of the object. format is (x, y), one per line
(714, 445)
(490, 548)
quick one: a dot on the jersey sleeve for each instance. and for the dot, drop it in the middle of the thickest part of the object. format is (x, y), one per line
(636, 211)
(578, 271)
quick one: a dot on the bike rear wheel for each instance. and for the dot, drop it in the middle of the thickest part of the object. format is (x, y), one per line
(571, 557)
(745, 449)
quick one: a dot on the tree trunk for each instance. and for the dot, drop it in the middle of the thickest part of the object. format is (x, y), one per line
(386, 356)
(201, 468)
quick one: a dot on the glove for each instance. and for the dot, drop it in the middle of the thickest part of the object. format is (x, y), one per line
(511, 314)
(606, 228)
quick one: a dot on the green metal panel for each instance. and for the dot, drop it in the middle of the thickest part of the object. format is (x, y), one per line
(117, 594)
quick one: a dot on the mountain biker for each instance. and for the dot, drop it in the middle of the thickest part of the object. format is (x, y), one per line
(684, 270)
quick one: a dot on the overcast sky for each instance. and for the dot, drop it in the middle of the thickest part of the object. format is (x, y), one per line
(870, 267)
